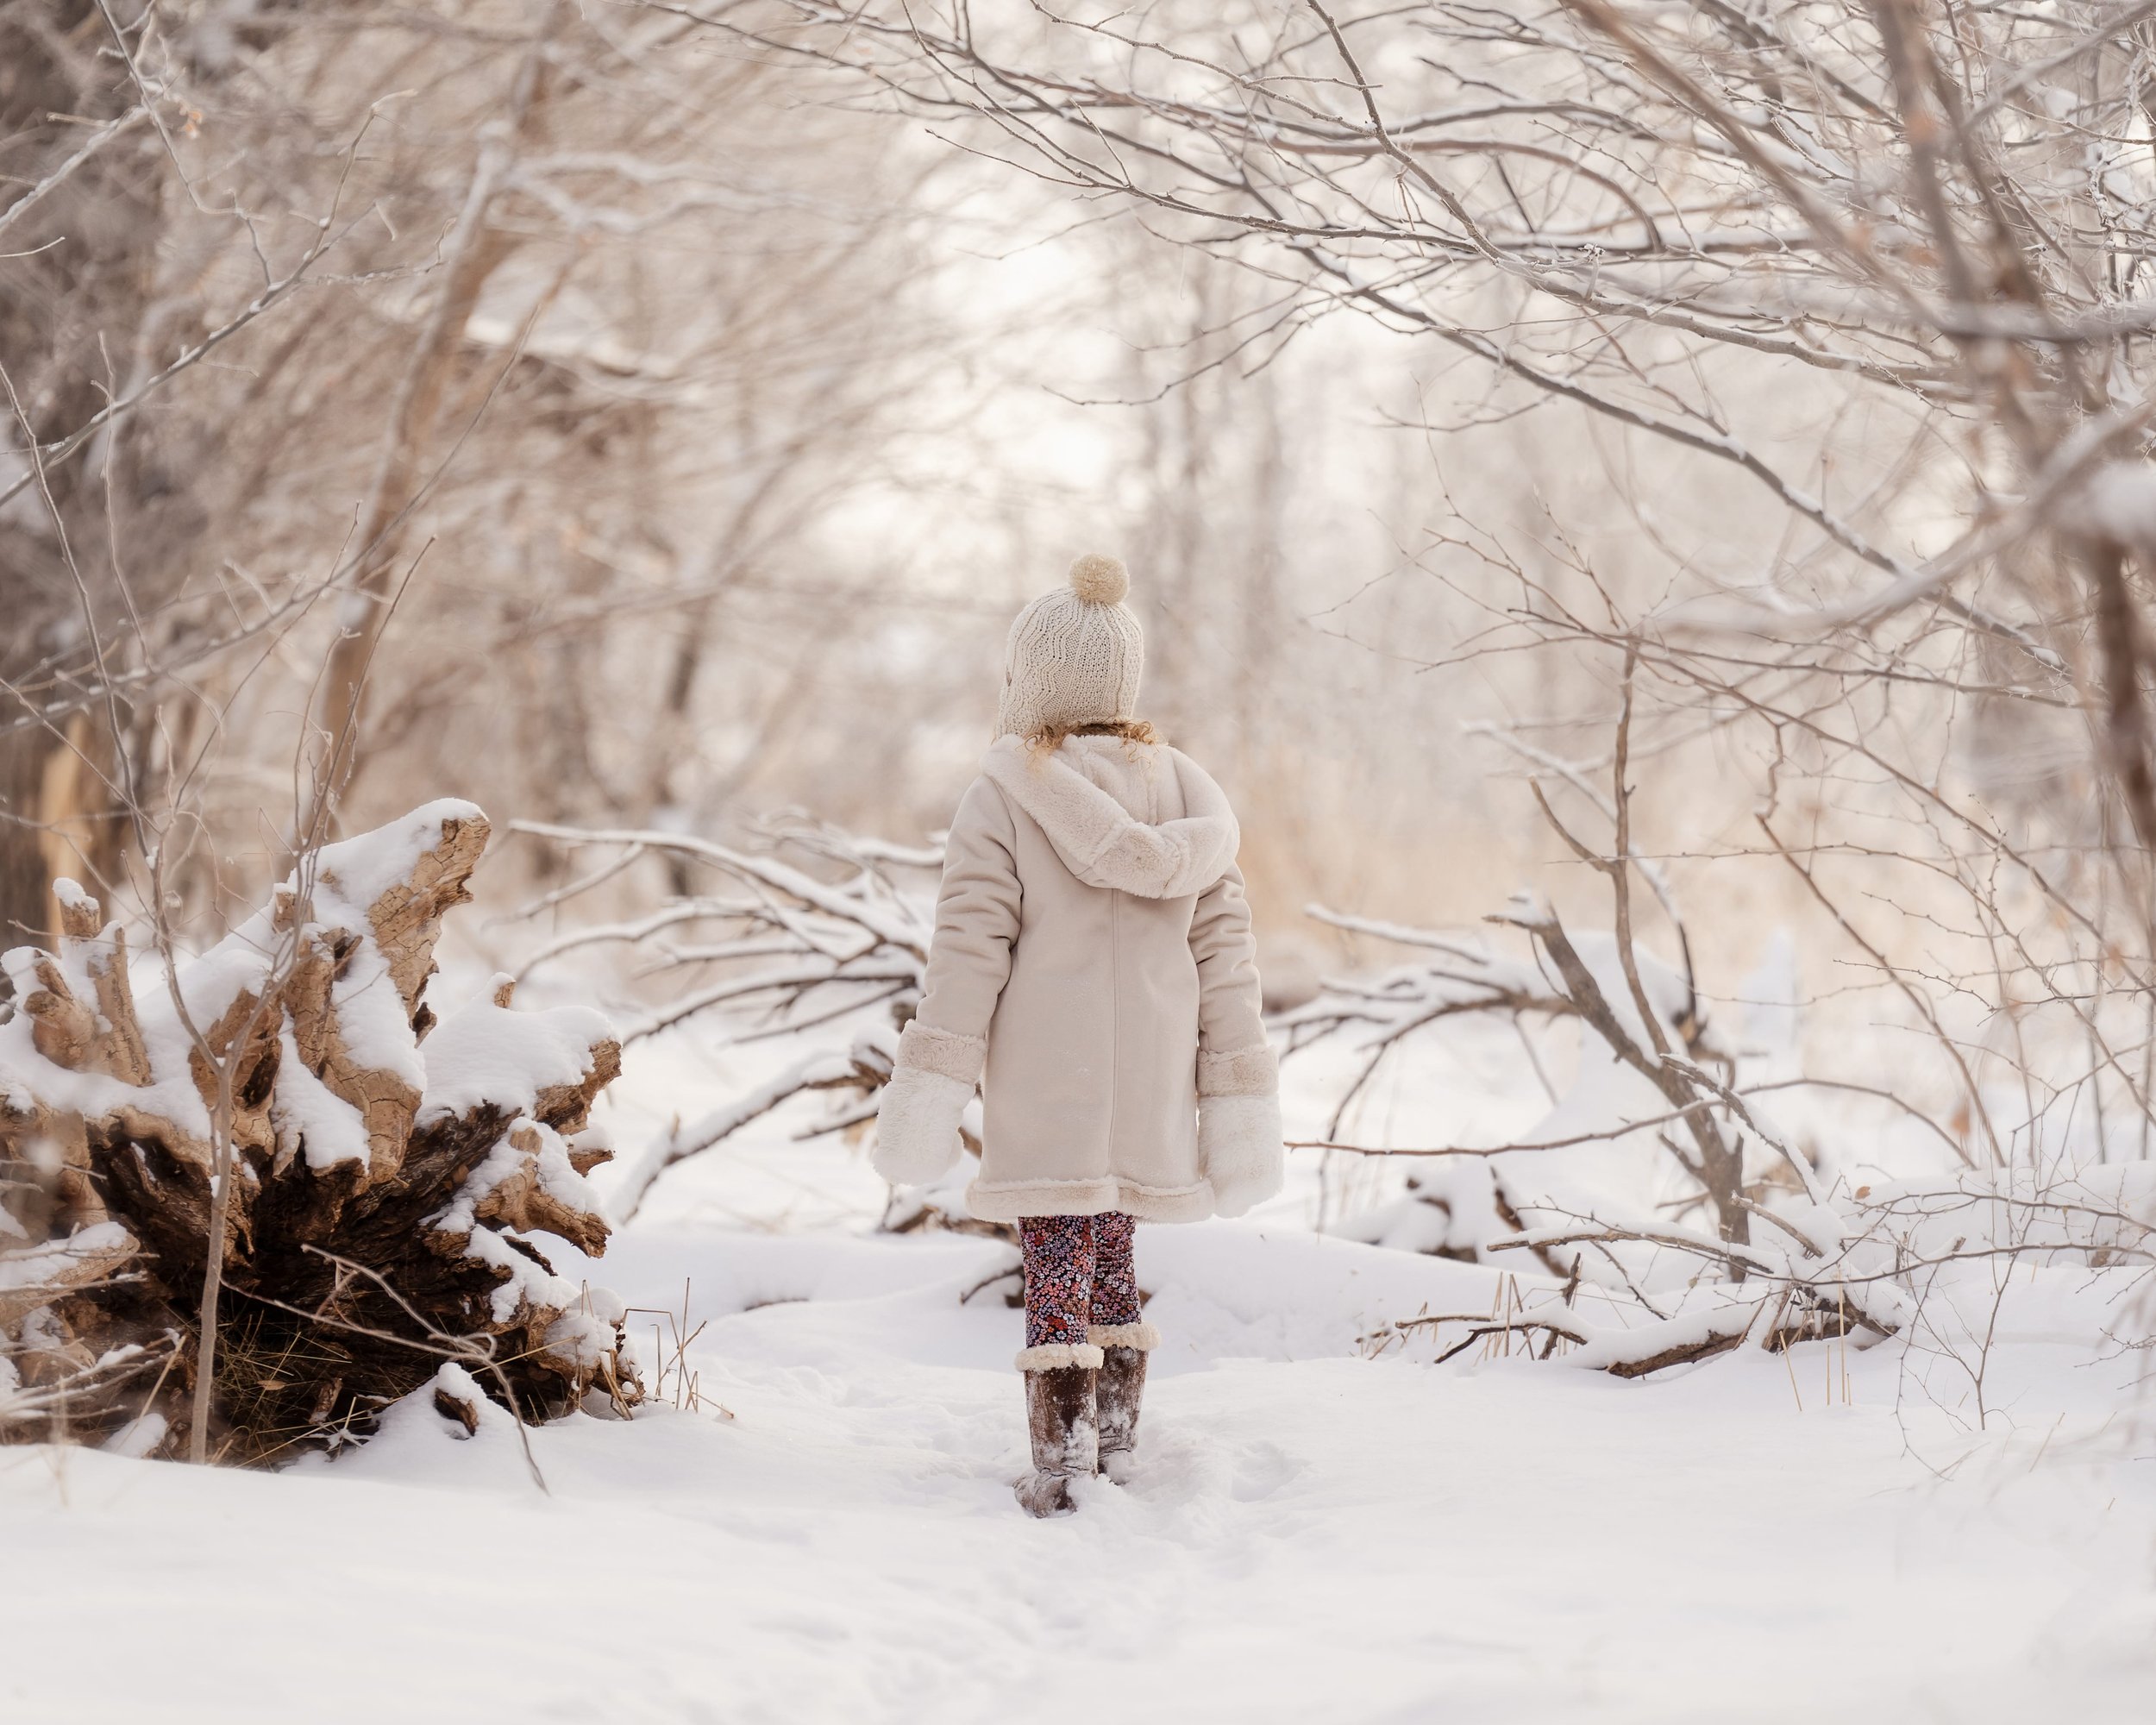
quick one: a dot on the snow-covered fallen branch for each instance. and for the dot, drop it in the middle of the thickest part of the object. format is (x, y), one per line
(765, 951)
(817, 1072)
(1789, 1255)
(1775, 1239)
(1711, 1321)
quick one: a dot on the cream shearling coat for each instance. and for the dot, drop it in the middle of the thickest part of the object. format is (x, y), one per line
(1093, 952)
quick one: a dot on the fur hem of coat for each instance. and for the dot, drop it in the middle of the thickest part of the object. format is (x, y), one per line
(917, 1126)
(1239, 1147)
(1055, 1355)
(1014, 1200)
(1101, 842)
(1238, 1071)
(1142, 1337)
(922, 1048)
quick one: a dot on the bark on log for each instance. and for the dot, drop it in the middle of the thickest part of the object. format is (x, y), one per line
(382, 1191)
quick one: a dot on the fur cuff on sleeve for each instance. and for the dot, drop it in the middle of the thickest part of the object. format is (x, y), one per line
(1239, 1149)
(926, 1049)
(917, 1126)
(1142, 1337)
(1054, 1356)
(1252, 1071)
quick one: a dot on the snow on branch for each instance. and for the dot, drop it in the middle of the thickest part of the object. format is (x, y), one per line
(1789, 1257)
(829, 954)
(1663, 1076)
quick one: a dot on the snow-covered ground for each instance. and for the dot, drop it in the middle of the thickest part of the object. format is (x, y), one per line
(1312, 1534)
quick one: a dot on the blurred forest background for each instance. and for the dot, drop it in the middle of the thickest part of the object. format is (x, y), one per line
(1648, 510)
(712, 428)
(649, 416)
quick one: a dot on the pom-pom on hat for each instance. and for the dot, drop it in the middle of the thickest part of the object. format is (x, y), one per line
(1100, 579)
(1074, 654)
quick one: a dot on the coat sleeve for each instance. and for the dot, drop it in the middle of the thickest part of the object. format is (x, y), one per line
(969, 954)
(1233, 1057)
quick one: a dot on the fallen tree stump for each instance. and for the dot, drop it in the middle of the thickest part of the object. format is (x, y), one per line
(386, 1170)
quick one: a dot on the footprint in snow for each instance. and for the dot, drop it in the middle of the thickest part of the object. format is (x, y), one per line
(1178, 1465)
(1262, 1469)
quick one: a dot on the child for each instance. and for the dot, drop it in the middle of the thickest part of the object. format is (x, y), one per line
(1093, 953)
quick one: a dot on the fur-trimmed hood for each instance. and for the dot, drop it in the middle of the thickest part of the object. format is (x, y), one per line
(1104, 805)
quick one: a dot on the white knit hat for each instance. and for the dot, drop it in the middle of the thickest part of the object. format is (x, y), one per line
(1074, 654)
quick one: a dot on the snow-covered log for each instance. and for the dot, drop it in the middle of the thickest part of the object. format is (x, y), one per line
(382, 1171)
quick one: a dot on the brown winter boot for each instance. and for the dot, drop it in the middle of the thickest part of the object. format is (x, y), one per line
(1059, 1415)
(1123, 1350)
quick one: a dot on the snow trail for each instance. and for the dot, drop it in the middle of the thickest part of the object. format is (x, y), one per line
(1310, 1535)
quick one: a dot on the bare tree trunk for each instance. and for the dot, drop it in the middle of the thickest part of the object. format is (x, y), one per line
(471, 254)
(2124, 729)
(71, 304)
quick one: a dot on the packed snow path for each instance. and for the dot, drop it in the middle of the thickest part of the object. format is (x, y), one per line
(1312, 1535)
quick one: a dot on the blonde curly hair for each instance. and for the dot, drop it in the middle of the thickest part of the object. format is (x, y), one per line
(1050, 738)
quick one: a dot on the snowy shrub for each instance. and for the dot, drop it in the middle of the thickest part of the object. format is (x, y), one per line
(826, 957)
(1668, 1118)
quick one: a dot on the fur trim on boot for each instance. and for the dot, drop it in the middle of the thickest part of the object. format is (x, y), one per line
(1061, 1424)
(1052, 1356)
(1142, 1337)
(1116, 1398)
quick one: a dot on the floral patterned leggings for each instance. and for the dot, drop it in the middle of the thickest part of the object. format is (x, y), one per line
(1078, 1271)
